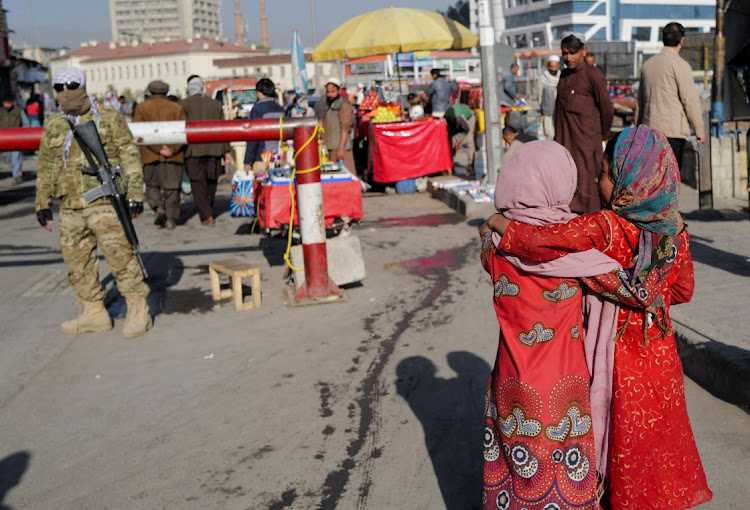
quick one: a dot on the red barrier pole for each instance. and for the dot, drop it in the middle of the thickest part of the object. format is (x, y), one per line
(177, 132)
(311, 217)
(20, 139)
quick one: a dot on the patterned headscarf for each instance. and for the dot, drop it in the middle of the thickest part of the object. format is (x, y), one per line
(647, 181)
(68, 74)
(195, 86)
(65, 75)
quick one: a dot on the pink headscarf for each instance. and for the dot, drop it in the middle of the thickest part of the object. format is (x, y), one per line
(535, 186)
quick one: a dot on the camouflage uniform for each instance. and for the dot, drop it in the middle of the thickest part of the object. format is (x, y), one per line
(84, 225)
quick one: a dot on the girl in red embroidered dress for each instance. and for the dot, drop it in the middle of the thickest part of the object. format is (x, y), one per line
(539, 444)
(654, 463)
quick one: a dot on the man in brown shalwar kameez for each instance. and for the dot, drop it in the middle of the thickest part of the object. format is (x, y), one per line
(583, 118)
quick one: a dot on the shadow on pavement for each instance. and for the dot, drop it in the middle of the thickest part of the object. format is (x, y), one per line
(729, 262)
(16, 194)
(716, 215)
(451, 413)
(12, 469)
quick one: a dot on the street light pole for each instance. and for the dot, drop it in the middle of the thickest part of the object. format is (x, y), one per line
(315, 44)
(489, 90)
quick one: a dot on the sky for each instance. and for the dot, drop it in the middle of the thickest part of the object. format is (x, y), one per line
(58, 23)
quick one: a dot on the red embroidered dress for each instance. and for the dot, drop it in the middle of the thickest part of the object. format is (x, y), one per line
(538, 442)
(654, 460)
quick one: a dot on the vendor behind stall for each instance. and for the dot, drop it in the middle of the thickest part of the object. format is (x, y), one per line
(336, 115)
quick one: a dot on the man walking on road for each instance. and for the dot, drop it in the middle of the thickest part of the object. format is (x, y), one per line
(13, 117)
(667, 98)
(83, 225)
(583, 118)
(162, 164)
(546, 89)
(203, 160)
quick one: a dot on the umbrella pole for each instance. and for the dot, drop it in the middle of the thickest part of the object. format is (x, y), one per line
(400, 90)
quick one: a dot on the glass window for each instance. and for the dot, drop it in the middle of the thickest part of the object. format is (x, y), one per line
(521, 41)
(538, 39)
(640, 34)
(600, 35)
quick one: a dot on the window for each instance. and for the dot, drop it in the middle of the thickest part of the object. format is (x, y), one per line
(640, 34)
(538, 39)
(521, 41)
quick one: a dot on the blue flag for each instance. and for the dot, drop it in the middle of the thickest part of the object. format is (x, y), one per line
(299, 72)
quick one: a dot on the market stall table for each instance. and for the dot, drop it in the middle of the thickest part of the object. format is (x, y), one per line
(404, 150)
(341, 199)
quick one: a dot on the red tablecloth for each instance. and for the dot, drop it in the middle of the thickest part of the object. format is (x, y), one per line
(273, 202)
(404, 150)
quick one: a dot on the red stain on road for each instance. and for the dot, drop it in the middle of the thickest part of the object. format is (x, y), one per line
(449, 259)
(425, 220)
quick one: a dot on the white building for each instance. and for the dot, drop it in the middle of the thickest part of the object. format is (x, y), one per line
(529, 24)
(149, 20)
(120, 66)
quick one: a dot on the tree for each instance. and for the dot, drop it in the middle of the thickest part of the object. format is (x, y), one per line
(459, 12)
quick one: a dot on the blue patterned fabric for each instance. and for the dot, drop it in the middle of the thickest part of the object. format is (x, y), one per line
(647, 181)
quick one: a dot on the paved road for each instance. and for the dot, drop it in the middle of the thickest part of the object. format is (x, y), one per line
(373, 403)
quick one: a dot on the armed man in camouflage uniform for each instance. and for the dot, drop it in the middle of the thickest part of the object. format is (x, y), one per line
(84, 225)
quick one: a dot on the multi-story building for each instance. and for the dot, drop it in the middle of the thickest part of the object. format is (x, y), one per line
(530, 24)
(159, 20)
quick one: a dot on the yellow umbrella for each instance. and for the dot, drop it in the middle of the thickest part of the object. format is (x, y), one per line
(394, 30)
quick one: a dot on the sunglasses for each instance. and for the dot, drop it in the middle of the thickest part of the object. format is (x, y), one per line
(70, 85)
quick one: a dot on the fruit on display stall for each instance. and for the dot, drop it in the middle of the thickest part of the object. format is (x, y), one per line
(370, 102)
(386, 113)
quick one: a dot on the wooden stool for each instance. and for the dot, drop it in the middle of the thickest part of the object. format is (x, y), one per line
(235, 269)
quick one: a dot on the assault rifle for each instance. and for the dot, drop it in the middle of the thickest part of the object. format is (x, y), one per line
(91, 145)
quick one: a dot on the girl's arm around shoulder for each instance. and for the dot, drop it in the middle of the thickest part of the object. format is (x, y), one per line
(554, 241)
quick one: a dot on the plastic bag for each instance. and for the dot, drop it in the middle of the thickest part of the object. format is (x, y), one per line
(241, 199)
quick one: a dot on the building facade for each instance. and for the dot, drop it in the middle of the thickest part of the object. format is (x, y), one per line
(130, 67)
(148, 20)
(530, 24)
